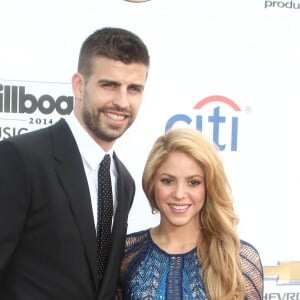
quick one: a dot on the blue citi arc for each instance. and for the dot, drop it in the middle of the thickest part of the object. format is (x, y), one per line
(217, 120)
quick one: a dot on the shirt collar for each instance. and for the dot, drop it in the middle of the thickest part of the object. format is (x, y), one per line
(90, 151)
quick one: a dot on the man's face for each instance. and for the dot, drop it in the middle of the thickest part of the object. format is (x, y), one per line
(109, 100)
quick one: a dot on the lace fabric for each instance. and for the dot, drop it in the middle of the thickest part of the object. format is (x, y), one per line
(148, 272)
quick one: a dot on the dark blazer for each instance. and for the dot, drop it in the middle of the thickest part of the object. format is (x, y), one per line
(47, 233)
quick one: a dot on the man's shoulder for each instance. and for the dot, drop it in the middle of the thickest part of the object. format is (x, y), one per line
(30, 136)
(38, 142)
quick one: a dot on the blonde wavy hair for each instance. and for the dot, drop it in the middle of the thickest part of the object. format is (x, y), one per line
(219, 245)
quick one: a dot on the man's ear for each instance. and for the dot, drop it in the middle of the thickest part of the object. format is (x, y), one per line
(77, 85)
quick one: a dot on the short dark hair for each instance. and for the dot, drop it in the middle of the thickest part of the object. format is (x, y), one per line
(115, 43)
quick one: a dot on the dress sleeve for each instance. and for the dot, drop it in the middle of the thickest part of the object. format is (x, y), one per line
(252, 271)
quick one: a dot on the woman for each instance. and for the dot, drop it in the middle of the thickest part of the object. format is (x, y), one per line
(195, 251)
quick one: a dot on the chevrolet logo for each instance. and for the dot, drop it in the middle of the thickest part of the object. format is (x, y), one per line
(284, 273)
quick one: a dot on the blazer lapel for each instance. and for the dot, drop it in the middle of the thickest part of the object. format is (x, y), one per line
(125, 192)
(71, 174)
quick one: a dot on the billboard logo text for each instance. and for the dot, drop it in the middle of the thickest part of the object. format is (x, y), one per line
(14, 99)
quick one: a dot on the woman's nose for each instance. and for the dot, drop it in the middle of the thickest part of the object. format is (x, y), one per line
(179, 192)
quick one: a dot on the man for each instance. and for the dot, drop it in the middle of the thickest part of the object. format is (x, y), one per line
(48, 180)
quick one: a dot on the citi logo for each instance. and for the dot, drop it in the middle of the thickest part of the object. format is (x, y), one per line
(219, 120)
(14, 99)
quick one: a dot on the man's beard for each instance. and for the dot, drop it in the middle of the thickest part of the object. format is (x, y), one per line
(93, 123)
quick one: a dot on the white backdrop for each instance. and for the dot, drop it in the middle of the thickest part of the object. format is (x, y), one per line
(245, 51)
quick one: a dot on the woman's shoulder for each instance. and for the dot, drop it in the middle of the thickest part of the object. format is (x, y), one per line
(138, 235)
(136, 239)
(252, 270)
(249, 252)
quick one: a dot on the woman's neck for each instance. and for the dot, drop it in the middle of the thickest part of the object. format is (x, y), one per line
(175, 240)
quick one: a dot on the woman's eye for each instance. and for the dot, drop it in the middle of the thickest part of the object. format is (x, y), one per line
(195, 182)
(166, 180)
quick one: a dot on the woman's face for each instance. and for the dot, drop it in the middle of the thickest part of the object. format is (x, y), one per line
(179, 190)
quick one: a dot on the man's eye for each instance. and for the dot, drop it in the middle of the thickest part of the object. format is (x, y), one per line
(135, 89)
(109, 84)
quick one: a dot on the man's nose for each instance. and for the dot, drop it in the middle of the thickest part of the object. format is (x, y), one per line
(121, 98)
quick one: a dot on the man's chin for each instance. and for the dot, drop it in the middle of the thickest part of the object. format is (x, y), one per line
(111, 135)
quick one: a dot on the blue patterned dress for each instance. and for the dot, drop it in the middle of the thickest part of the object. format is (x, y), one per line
(150, 273)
